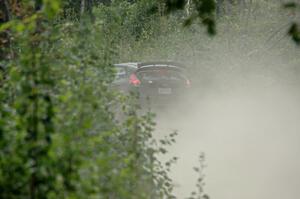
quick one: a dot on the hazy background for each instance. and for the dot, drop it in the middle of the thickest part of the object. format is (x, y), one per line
(250, 136)
(244, 111)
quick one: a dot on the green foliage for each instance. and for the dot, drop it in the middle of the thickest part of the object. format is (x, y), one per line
(173, 5)
(204, 10)
(59, 133)
(199, 194)
(24, 159)
(294, 30)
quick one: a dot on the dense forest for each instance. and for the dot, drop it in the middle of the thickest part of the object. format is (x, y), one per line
(60, 136)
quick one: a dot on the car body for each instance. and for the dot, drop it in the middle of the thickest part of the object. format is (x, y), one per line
(157, 83)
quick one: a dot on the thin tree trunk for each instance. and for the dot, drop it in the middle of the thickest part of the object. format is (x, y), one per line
(187, 7)
(219, 7)
(86, 7)
(5, 16)
(82, 7)
(4, 36)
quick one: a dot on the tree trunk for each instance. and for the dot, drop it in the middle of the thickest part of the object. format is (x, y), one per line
(82, 7)
(86, 7)
(5, 16)
(188, 7)
(220, 4)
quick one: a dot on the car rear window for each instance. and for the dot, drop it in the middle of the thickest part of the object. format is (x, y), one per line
(160, 74)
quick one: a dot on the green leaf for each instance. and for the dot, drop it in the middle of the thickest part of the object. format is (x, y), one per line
(290, 5)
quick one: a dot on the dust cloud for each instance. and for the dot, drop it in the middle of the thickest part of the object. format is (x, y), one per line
(251, 141)
(246, 119)
(243, 111)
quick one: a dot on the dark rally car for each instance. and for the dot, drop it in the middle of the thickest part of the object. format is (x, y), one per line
(156, 82)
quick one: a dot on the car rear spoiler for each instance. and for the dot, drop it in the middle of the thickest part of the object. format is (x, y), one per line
(160, 64)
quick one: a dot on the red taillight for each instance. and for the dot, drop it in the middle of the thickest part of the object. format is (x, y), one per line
(134, 80)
